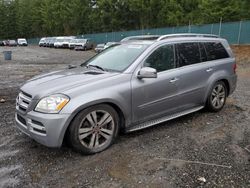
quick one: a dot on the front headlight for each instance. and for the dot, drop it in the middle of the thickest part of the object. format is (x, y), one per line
(52, 104)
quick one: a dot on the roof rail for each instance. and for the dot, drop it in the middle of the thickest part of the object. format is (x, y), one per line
(186, 35)
(141, 37)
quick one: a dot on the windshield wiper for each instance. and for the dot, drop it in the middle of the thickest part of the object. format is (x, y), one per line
(96, 66)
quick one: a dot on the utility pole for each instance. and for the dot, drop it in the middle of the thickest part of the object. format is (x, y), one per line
(239, 35)
(189, 27)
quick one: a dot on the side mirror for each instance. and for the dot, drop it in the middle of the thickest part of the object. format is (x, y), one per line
(147, 72)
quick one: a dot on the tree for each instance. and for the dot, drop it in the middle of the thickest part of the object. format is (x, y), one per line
(37, 18)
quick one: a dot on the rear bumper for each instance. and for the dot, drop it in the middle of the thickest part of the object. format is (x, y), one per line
(233, 83)
(46, 129)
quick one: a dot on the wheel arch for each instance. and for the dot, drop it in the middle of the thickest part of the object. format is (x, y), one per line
(226, 82)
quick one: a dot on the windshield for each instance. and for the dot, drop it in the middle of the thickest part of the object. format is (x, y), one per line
(100, 45)
(66, 40)
(82, 41)
(117, 58)
(59, 40)
(73, 40)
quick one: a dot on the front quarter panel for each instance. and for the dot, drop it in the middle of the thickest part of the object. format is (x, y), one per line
(115, 90)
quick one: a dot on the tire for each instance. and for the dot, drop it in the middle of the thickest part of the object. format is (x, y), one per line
(217, 97)
(94, 129)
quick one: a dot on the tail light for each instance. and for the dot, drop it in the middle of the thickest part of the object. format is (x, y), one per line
(234, 67)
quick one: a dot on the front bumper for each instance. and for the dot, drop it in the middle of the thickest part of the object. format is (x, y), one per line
(46, 129)
(80, 47)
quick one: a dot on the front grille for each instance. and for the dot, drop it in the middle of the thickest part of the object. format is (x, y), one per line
(23, 101)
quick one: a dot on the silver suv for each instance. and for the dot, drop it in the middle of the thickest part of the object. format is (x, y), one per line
(129, 86)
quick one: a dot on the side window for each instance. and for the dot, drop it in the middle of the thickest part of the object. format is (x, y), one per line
(215, 50)
(188, 53)
(161, 59)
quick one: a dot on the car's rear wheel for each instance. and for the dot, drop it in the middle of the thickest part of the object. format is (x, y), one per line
(217, 97)
(94, 129)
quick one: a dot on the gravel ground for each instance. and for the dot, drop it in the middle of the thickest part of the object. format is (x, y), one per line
(198, 150)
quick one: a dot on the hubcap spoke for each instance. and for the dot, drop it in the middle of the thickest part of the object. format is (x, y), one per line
(82, 136)
(97, 140)
(221, 94)
(218, 103)
(214, 101)
(219, 88)
(94, 117)
(84, 130)
(89, 118)
(106, 118)
(214, 93)
(105, 135)
(92, 141)
(107, 131)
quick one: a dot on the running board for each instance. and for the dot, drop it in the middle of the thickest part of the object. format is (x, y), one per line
(163, 119)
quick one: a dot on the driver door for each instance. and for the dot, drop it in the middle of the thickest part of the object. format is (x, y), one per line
(156, 97)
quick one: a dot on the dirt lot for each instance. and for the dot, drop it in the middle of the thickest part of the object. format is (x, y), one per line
(173, 154)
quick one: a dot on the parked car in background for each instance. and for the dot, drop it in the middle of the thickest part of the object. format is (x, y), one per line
(65, 43)
(84, 44)
(62, 42)
(109, 44)
(47, 41)
(2, 43)
(130, 86)
(72, 43)
(42, 42)
(22, 42)
(6, 42)
(52, 42)
(12, 43)
(58, 42)
(141, 37)
(99, 48)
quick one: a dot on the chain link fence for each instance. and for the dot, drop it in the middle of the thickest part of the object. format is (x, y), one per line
(234, 32)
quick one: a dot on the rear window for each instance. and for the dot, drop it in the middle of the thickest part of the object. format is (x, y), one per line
(215, 50)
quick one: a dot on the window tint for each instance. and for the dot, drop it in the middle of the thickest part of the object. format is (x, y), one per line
(215, 50)
(188, 53)
(161, 59)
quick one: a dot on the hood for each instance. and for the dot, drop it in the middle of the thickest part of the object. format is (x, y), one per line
(64, 80)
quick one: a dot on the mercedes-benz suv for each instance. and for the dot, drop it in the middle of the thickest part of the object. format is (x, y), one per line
(127, 87)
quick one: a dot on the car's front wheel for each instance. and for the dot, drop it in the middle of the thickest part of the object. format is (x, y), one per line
(94, 129)
(217, 97)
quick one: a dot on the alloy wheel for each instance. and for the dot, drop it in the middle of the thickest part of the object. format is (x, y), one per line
(218, 96)
(96, 129)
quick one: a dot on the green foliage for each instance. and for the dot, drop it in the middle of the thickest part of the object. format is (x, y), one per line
(37, 18)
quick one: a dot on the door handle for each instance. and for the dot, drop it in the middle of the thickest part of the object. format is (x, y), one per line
(173, 80)
(209, 70)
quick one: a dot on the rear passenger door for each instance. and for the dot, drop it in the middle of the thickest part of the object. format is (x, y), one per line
(194, 72)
